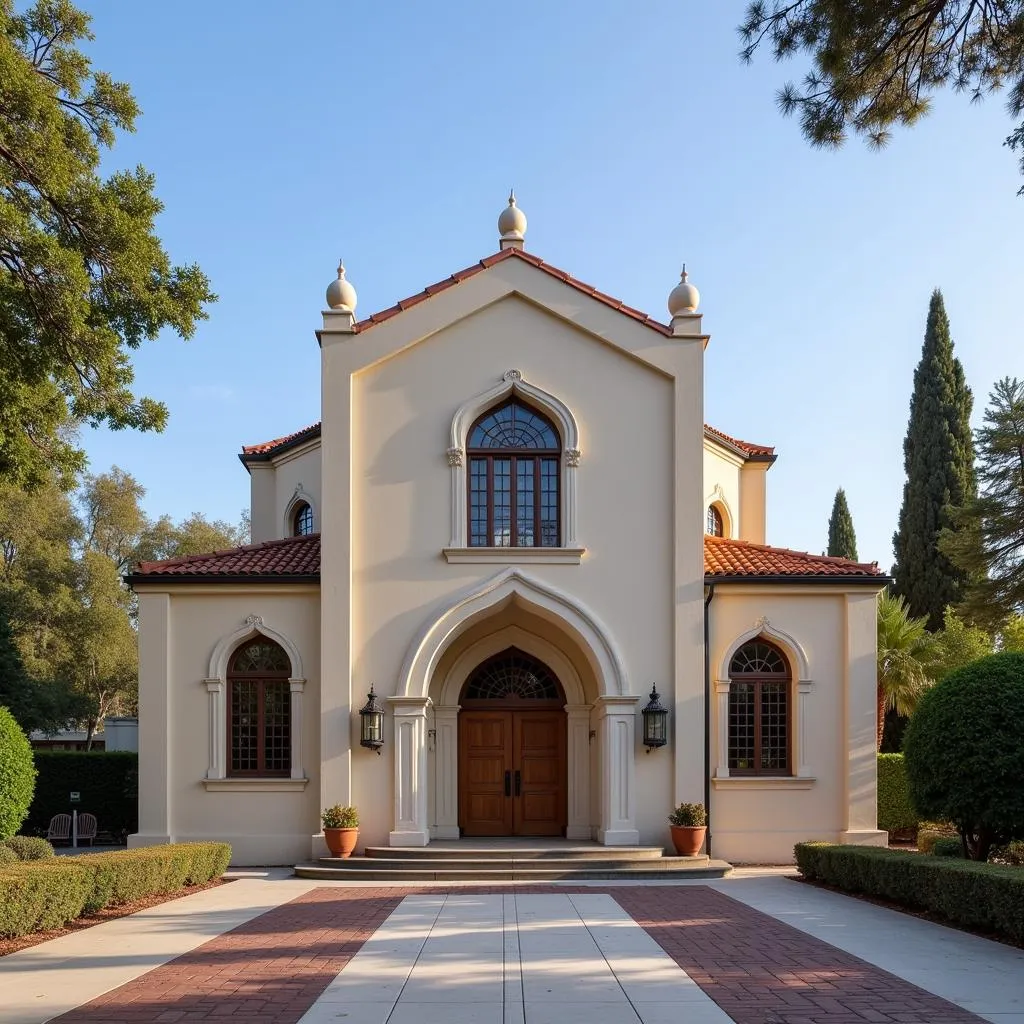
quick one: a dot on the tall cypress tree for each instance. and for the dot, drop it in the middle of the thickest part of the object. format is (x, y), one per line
(842, 541)
(938, 456)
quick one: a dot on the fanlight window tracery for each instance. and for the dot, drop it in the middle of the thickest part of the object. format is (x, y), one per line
(512, 676)
(759, 658)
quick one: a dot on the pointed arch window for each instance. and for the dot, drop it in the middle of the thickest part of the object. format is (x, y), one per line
(759, 728)
(302, 519)
(514, 472)
(715, 524)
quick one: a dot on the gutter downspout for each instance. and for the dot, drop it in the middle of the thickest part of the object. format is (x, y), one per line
(709, 595)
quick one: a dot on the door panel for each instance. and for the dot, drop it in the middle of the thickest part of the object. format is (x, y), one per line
(485, 755)
(512, 773)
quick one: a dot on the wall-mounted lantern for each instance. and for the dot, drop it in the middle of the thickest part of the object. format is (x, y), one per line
(655, 722)
(371, 722)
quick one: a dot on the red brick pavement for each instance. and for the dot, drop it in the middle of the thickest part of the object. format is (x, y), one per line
(759, 970)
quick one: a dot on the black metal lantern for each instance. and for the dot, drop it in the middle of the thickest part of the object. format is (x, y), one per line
(371, 722)
(655, 722)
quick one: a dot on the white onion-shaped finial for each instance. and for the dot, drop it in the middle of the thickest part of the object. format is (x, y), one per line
(684, 298)
(340, 293)
(512, 222)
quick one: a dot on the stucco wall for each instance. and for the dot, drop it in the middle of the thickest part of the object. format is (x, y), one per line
(179, 632)
(275, 488)
(722, 487)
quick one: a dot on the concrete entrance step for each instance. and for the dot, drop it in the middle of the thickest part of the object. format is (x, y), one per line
(483, 849)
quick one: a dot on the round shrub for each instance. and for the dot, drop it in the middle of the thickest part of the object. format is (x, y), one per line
(8, 856)
(29, 848)
(948, 846)
(964, 752)
(17, 775)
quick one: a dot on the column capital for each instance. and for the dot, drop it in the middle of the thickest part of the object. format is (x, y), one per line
(296, 685)
(409, 706)
(213, 685)
(617, 705)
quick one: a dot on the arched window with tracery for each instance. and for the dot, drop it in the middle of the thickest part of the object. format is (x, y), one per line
(715, 524)
(259, 710)
(302, 519)
(512, 678)
(759, 710)
(514, 470)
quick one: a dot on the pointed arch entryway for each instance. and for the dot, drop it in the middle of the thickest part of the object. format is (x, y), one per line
(516, 610)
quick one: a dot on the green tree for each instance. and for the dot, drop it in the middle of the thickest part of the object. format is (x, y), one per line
(987, 536)
(958, 644)
(112, 518)
(196, 535)
(17, 775)
(1011, 636)
(938, 456)
(842, 541)
(906, 659)
(876, 63)
(83, 277)
(964, 755)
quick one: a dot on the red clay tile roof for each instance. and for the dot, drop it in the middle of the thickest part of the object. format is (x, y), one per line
(500, 257)
(293, 557)
(298, 559)
(268, 448)
(746, 447)
(738, 558)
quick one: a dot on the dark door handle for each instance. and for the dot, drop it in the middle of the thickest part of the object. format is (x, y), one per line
(519, 783)
(508, 783)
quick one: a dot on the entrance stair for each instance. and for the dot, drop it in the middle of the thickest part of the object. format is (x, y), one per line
(511, 860)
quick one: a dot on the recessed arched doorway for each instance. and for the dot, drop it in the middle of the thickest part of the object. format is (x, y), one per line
(512, 749)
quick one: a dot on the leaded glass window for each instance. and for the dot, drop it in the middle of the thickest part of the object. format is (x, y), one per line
(302, 520)
(512, 676)
(514, 459)
(759, 711)
(259, 710)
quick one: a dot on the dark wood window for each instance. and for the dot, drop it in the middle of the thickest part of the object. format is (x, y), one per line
(514, 471)
(302, 520)
(759, 711)
(715, 525)
(259, 710)
(512, 678)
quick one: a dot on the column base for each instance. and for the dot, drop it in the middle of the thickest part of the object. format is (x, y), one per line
(578, 832)
(618, 837)
(409, 839)
(443, 832)
(318, 846)
(864, 837)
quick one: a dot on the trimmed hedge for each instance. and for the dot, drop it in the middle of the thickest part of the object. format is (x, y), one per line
(108, 782)
(29, 847)
(895, 811)
(39, 895)
(985, 896)
(928, 837)
(17, 775)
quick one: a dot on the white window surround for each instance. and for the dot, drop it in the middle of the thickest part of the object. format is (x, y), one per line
(800, 690)
(513, 385)
(216, 686)
(299, 497)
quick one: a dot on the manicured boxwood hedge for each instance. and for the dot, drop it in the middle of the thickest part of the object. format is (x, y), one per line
(108, 784)
(895, 811)
(985, 896)
(43, 894)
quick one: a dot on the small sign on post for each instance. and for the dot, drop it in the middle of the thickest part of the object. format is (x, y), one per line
(76, 796)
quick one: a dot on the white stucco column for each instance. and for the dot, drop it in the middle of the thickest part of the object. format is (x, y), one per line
(722, 728)
(803, 710)
(410, 716)
(861, 775)
(572, 461)
(578, 757)
(617, 734)
(446, 772)
(218, 740)
(296, 688)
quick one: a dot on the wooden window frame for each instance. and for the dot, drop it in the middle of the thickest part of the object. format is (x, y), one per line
(759, 679)
(261, 679)
(715, 516)
(514, 456)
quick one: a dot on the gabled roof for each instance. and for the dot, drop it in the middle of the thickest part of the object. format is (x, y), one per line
(297, 559)
(740, 560)
(267, 450)
(501, 257)
(294, 559)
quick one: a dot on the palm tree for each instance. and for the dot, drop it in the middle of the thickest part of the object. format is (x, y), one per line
(906, 657)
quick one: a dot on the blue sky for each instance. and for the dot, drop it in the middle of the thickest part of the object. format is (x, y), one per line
(283, 136)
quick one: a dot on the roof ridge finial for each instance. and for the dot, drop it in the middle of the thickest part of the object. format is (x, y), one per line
(684, 276)
(511, 197)
(512, 224)
(341, 269)
(340, 293)
(684, 298)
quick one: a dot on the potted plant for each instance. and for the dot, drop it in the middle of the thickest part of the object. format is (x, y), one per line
(341, 829)
(689, 826)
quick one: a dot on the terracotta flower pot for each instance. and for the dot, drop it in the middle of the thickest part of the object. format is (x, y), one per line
(341, 841)
(688, 839)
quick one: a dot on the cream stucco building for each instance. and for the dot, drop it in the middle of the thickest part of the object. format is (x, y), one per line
(512, 521)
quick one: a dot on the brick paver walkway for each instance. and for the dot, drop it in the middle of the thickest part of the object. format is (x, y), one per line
(759, 970)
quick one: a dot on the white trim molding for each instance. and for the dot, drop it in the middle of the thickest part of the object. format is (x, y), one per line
(243, 785)
(514, 556)
(513, 384)
(217, 690)
(801, 688)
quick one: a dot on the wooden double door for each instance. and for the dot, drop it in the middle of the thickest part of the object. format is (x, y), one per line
(512, 773)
